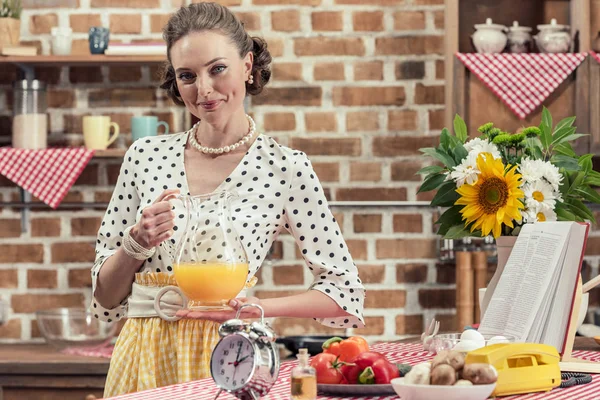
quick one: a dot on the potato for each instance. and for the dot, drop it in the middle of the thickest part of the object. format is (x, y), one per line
(456, 359)
(463, 382)
(419, 374)
(443, 374)
(480, 374)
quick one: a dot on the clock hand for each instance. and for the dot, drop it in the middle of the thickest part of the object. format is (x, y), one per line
(237, 356)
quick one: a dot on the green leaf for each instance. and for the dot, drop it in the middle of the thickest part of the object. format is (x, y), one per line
(446, 195)
(439, 155)
(580, 209)
(565, 215)
(588, 193)
(451, 216)
(546, 117)
(546, 128)
(570, 138)
(460, 153)
(566, 149)
(577, 181)
(565, 123)
(457, 232)
(566, 162)
(432, 182)
(430, 169)
(585, 162)
(445, 139)
(561, 133)
(460, 128)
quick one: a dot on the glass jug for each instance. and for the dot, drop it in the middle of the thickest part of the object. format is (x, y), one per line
(210, 263)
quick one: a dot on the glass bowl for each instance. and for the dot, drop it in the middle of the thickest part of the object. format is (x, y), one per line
(448, 341)
(74, 328)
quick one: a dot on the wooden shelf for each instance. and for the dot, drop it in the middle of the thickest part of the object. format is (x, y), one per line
(83, 59)
(110, 153)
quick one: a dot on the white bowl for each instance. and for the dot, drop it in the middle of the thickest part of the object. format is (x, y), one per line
(429, 392)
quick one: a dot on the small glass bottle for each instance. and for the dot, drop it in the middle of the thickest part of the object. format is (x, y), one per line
(304, 378)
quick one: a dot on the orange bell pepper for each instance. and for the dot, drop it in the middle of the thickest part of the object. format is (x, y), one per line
(346, 349)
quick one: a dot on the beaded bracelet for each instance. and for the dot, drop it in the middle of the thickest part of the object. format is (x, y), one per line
(135, 250)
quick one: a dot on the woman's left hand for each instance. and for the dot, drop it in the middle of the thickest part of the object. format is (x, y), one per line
(221, 316)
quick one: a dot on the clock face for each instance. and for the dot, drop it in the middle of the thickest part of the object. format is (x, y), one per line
(232, 362)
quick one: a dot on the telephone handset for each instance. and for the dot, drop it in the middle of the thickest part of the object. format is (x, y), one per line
(522, 367)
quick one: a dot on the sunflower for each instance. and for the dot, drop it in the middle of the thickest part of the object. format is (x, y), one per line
(494, 199)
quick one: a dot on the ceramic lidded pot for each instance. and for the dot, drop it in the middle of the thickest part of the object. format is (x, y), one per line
(519, 38)
(489, 37)
(553, 38)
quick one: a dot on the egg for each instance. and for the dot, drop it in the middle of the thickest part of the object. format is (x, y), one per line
(497, 339)
(467, 345)
(473, 335)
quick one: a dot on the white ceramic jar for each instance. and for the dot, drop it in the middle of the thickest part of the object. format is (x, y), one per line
(519, 38)
(489, 37)
(553, 38)
(61, 41)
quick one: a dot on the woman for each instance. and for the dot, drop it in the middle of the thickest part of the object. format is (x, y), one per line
(212, 65)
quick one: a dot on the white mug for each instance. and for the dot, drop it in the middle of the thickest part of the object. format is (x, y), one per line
(61, 41)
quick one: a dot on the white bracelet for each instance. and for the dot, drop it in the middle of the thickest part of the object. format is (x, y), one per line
(135, 250)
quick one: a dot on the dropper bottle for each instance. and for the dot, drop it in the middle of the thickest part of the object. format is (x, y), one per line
(304, 378)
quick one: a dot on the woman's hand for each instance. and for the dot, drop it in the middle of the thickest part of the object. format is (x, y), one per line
(157, 222)
(221, 316)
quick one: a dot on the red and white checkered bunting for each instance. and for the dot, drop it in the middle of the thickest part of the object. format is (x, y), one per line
(412, 354)
(595, 55)
(522, 81)
(47, 174)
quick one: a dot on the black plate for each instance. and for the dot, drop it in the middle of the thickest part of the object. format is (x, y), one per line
(312, 343)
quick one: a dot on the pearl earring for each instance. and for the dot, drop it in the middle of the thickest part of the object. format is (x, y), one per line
(250, 80)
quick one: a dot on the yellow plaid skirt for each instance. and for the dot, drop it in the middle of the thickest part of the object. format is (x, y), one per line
(151, 352)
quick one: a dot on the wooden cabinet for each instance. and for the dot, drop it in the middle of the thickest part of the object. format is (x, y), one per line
(39, 372)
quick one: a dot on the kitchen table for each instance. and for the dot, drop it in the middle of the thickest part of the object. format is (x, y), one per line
(405, 352)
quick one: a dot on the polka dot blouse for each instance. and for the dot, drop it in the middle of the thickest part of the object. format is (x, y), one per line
(277, 189)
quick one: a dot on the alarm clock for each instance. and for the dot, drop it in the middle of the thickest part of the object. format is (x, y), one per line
(245, 362)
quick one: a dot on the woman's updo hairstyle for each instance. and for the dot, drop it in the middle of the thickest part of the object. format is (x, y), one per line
(210, 17)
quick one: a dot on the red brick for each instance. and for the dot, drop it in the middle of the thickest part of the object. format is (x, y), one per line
(409, 20)
(11, 228)
(9, 279)
(327, 172)
(45, 227)
(437, 298)
(410, 70)
(123, 120)
(302, 96)
(373, 2)
(122, 97)
(102, 197)
(356, 247)
(438, 19)
(279, 121)
(325, 46)
(80, 47)
(320, 121)
(89, 176)
(125, 23)
(327, 21)
(286, 20)
(391, 146)
(411, 273)
(448, 322)
(21, 253)
(406, 248)
(287, 72)
(83, 22)
(367, 21)
(42, 23)
(371, 273)
(29, 303)
(34, 4)
(369, 96)
(368, 71)
(251, 20)
(85, 74)
(333, 71)
(288, 275)
(385, 299)
(80, 277)
(403, 45)
(11, 329)
(402, 120)
(437, 119)
(125, 4)
(408, 223)
(373, 326)
(367, 223)
(406, 171)
(276, 46)
(72, 252)
(429, 94)
(370, 194)
(328, 147)
(409, 324)
(445, 273)
(365, 171)
(362, 121)
(439, 69)
(41, 278)
(85, 226)
(128, 73)
(60, 98)
(226, 3)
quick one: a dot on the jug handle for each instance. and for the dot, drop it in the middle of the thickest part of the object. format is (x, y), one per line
(160, 294)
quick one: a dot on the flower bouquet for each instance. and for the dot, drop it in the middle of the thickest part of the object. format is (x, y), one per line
(498, 181)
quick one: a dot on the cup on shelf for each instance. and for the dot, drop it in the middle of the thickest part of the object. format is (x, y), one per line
(98, 38)
(62, 40)
(96, 132)
(143, 126)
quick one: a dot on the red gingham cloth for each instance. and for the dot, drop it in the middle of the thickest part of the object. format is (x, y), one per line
(595, 55)
(103, 351)
(522, 81)
(47, 174)
(412, 353)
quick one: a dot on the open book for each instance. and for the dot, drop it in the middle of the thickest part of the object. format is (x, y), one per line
(535, 293)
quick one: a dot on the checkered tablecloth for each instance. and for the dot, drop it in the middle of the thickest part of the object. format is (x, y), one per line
(595, 55)
(205, 389)
(47, 174)
(103, 351)
(522, 81)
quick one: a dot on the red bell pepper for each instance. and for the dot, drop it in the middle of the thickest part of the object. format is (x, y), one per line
(370, 367)
(346, 349)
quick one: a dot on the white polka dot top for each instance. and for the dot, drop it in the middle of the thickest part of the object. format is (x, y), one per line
(277, 189)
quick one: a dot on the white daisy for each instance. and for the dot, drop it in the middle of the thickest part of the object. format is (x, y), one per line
(530, 170)
(551, 173)
(466, 171)
(533, 215)
(479, 145)
(539, 195)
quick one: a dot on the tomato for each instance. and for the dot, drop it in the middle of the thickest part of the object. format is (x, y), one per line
(327, 367)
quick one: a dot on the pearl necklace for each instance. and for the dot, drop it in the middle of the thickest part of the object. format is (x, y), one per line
(224, 149)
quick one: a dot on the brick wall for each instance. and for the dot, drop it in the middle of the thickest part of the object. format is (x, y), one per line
(357, 84)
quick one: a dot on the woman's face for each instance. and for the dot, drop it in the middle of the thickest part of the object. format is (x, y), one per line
(210, 74)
